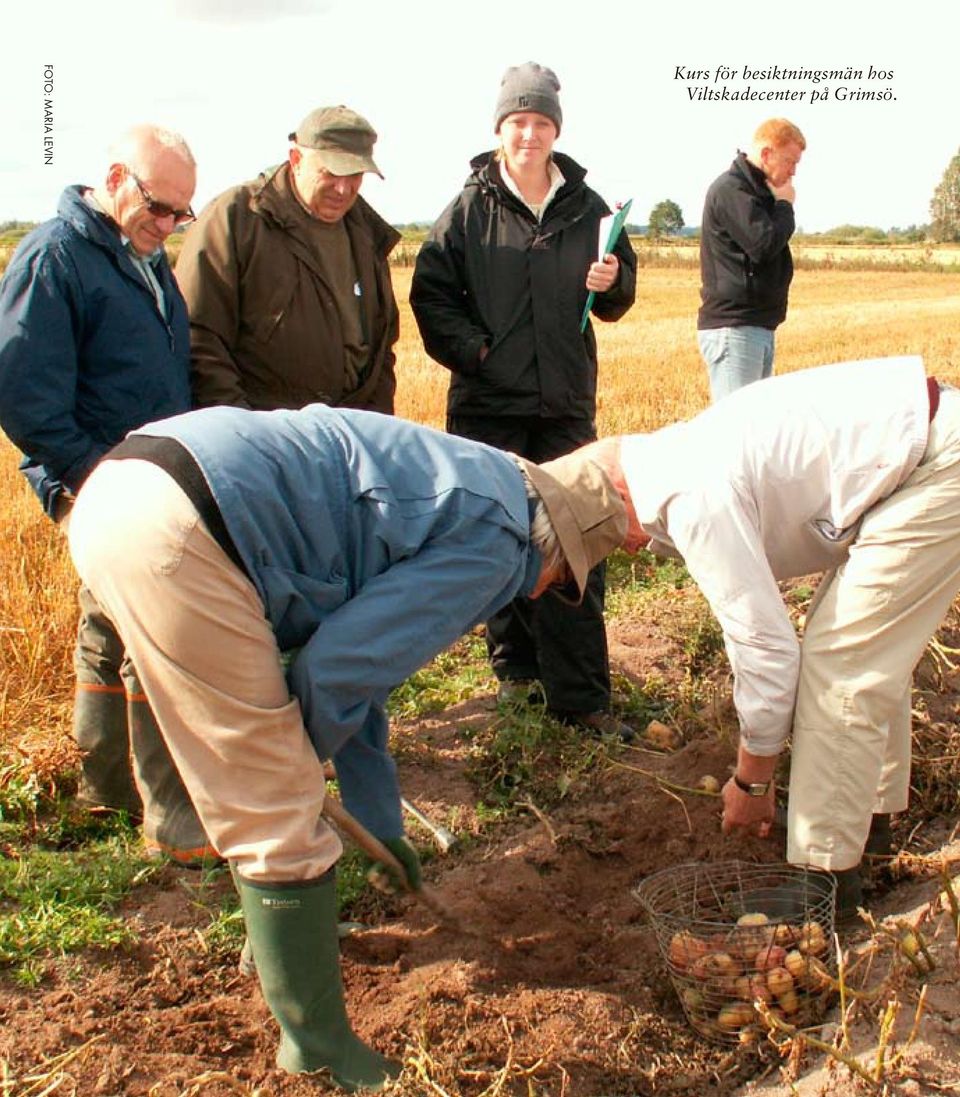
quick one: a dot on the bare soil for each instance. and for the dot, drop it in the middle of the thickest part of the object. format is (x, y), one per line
(552, 985)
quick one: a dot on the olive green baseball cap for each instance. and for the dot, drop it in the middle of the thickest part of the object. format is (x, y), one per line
(585, 508)
(343, 138)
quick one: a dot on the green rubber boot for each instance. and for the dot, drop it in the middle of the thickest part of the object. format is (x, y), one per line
(292, 929)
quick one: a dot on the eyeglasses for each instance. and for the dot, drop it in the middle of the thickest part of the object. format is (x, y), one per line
(161, 209)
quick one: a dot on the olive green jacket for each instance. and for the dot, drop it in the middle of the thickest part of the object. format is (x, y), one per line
(264, 326)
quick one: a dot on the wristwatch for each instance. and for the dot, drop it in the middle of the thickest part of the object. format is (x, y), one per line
(753, 788)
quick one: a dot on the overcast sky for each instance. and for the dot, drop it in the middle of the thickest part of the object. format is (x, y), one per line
(235, 76)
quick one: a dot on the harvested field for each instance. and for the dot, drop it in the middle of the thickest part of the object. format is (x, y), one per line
(557, 989)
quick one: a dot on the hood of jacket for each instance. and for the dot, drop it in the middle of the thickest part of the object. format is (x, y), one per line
(486, 173)
(98, 228)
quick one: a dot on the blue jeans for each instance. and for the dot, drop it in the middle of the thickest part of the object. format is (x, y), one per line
(735, 357)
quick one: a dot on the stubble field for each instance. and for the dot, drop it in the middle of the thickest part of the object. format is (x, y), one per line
(558, 991)
(650, 369)
(651, 374)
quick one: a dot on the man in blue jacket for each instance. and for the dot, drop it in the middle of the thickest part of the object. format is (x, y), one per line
(219, 540)
(94, 341)
(745, 261)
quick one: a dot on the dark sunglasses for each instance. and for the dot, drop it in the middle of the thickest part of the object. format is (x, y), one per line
(161, 209)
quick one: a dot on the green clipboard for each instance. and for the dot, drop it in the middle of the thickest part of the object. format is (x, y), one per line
(617, 224)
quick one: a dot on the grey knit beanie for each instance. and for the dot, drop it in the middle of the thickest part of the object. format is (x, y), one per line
(528, 87)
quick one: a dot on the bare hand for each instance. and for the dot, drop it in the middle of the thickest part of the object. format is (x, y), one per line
(602, 276)
(786, 193)
(749, 814)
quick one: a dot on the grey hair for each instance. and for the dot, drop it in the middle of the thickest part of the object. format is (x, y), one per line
(132, 145)
(542, 534)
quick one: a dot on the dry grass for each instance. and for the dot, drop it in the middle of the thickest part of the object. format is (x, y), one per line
(820, 255)
(650, 369)
(37, 614)
(650, 372)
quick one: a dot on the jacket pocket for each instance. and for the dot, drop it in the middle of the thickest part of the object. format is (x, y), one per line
(833, 542)
(273, 311)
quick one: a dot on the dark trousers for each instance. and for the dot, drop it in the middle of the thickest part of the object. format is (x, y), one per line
(105, 683)
(564, 646)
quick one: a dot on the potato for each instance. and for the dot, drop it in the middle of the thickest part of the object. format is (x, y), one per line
(753, 918)
(751, 987)
(660, 736)
(786, 935)
(685, 949)
(796, 963)
(742, 988)
(735, 1015)
(749, 938)
(812, 939)
(779, 980)
(770, 957)
(789, 1002)
(715, 965)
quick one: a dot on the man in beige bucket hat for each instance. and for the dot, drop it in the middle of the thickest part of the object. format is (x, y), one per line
(287, 282)
(852, 470)
(359, 545)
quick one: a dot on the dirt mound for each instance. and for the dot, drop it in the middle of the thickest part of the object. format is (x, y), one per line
(550, 983)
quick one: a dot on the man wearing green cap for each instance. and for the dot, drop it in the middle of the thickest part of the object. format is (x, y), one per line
(287, 283)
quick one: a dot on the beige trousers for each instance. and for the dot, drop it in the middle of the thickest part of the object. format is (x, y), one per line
(865, 633)
(208, 662)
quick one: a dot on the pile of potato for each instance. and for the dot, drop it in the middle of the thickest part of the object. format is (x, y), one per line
(721, 977)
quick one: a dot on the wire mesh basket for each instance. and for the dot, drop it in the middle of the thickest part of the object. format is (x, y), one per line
(731, 933)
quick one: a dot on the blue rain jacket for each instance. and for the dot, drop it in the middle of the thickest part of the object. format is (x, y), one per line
(374, 543)
(85, 354)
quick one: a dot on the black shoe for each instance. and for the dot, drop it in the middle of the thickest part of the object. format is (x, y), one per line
(598, 724)
(519, 691)
(880, 838)
(849, 893)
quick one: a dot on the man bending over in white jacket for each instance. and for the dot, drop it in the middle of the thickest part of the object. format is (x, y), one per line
(853, 470)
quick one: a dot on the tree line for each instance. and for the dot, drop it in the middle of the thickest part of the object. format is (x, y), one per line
(666, 219)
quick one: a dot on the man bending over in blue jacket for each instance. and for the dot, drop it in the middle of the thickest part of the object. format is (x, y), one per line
(220, 539)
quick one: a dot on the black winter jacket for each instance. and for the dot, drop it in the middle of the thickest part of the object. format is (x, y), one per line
(745, 261)
(490, 275)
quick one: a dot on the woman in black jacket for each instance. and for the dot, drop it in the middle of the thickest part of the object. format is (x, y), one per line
(498, 293)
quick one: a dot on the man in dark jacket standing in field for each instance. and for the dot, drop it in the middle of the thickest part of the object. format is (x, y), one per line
(287, 282)
(498, 292)
(94, 342)
(745, 261)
